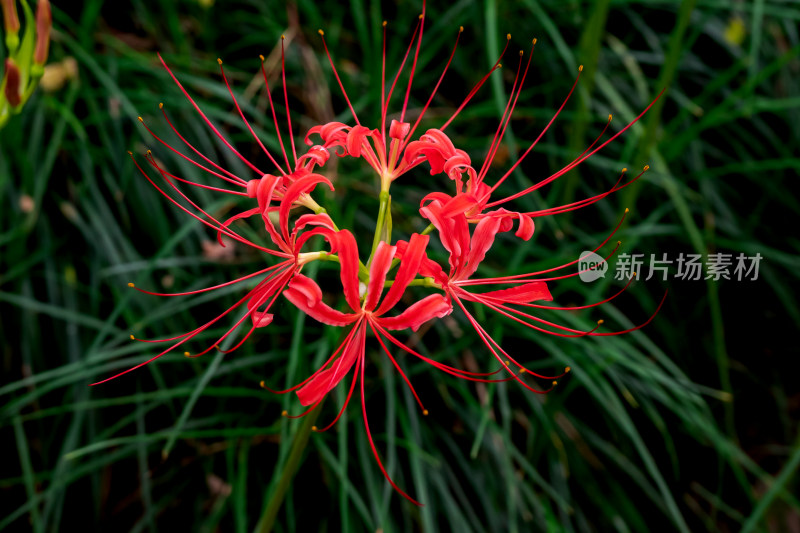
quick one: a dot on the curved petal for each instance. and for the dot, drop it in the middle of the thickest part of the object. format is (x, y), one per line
(428, 267)
(529, 292)
(381, 262)
(307, 296)
(525, 228)
(433, 306)
(409, 267)
(313, 391)
(302, 186)
(399, 130)
(482, 240)
(345, 245)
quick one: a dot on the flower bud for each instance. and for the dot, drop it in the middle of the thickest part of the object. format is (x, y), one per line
(44, 21)
(12, 79)
(10, 18)
(10, 23)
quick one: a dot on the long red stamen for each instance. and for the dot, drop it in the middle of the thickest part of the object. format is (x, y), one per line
(207, 289)
(208, 122)
(506, 118)
(274, 117)
(233, 178)
(477, 85)
(338, 80)
(372, 443)
(433, 93)
(479, 281)
(219, 226)
(584, 158)
(484, 336)
(457, 372)
(202, 186)
(230, 234)
(346, 400)
(383, 85)
(397, 366)
(385, 110)
(184, 337)
(241, 114)
(286, 100)
(342, 346)
(413, 64)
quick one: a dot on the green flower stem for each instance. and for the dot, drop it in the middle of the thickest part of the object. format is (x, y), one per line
(383, 226)
(423, 282)
(289, 469)
(363, 271)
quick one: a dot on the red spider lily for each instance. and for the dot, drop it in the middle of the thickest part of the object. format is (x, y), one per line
(466, 254)
(259, 299)
(393, 156)
(368, 292)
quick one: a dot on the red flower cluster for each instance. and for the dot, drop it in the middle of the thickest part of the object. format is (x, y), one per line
(465, 216)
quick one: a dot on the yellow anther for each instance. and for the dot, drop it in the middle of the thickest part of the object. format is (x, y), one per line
(633, 274)
(499, 65)
(646, 168)
(283, 37)
(133, 338)
(186, 354)
(384, 23)
(600, 322)
(567, 369)
(284, 412)
(131, 285)
(421, 16)
(130, 153)
(508, 36)
(219, 61)
(521, 370)
(625, 169)
(610, 116)
(619, 242)
(627, 210)
(149, 152)
(425, 412)
(534, 40)
(261, 56)
(321, 32)
(161, 105)
(555, 383)
(313, 428)
(520, 53)
(262, 384)
(460, 29)
(580, 68)
(140, 119)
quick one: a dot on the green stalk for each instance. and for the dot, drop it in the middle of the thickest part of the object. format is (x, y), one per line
(383, 226)
(267, 520)
(653, 118)
(589, 54)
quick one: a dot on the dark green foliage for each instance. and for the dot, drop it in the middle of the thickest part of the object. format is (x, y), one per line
(688, 424)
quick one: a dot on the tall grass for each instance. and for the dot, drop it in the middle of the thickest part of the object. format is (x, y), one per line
(689, 424)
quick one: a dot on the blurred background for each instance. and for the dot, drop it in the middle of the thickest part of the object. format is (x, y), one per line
(690, 424)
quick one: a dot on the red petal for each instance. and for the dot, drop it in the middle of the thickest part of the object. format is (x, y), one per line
(529, 292)
(433, 306)
(399, 130)
(307, 296)
(348, 267)
(409, 267)
(313, 391)
(381, 262)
